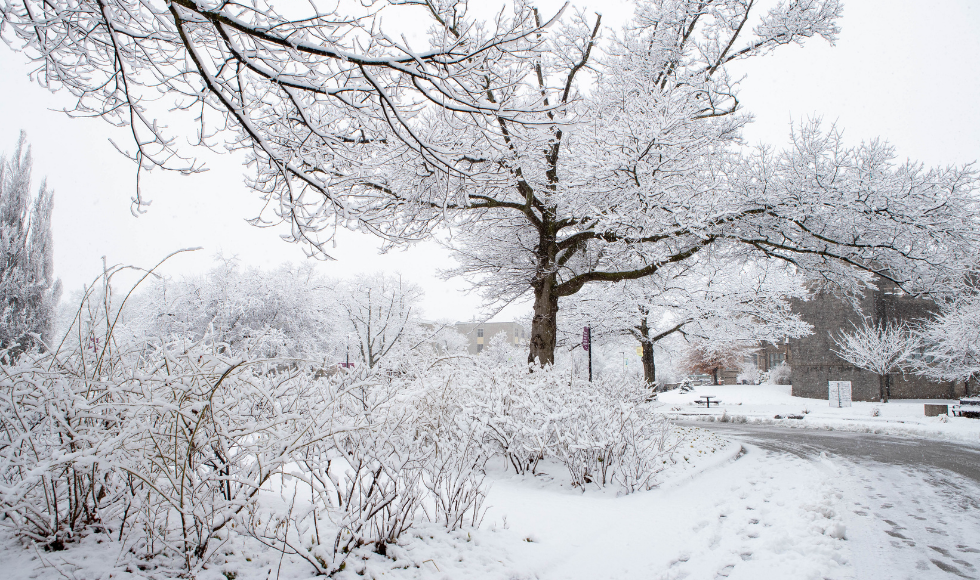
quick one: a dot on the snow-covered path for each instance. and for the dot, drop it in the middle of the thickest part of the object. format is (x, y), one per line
(764, 516)
(911, 506)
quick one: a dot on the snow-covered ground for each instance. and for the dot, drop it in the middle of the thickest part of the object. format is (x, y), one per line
(718, 513)
(712, 516)
(764, 403)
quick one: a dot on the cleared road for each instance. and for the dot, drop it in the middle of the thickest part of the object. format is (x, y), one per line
(912, 506)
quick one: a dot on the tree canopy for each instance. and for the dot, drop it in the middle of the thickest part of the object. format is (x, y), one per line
(559, 153)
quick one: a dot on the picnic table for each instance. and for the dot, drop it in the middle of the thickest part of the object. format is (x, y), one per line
(706, 400)
(968, 407)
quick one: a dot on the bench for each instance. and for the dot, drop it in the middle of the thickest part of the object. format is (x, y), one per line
(968, 407)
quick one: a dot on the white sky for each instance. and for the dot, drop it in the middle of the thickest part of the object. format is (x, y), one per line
(903, 70)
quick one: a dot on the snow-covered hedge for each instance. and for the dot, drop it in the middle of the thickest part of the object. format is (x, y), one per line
(165, 445)
(603, 432)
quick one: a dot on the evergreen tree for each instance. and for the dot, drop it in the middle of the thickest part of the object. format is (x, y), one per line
(28, 290)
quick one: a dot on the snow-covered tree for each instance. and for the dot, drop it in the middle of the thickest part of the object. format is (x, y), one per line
(710, 300)
(951, 341)
(288, 311)
(29, 292)
(563, 157)
(711, 358)
(879, 348)
(381, 317)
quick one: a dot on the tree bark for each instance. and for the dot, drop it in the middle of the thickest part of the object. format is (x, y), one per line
(646, 358)
(883, 387)
(544, 325)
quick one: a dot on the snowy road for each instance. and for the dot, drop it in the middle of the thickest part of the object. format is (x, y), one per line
(911, 506)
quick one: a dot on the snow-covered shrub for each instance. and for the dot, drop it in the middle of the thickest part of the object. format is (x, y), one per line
(412, 447)
(649, 442)
(748, 373)
(62, 425)
(594, 429)
(609, 432)
(358, 483)
(780, 374)
(59, 431)
(160, 444)
(457, 450)
(587, 434)
(516, 411)
(204, 433)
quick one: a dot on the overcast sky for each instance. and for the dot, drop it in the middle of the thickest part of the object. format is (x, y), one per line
(902, 70)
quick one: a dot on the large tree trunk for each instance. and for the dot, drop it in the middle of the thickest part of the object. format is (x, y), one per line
(649, 365)
(883, 387)
(544, 325)
(646, 358)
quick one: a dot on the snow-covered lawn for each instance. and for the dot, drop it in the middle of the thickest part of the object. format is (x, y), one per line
(763, 403)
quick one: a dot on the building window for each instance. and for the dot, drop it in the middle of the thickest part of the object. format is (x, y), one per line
(776, 359)
(479, 333)
(479, 348)
(921, 354)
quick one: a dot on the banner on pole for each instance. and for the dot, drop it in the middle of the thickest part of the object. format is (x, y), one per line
(586, 338)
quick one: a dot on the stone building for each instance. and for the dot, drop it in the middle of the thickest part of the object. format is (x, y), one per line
(478, 334)
(814, 363)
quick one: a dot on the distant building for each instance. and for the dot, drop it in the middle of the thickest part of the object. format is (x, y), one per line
(814, 363)
(478, 334)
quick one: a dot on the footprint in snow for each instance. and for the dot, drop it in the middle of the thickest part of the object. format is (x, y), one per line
(724, 572)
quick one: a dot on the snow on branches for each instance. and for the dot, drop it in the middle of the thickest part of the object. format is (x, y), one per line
(561, 154)
(951, 341)
(28, 290)
(879, 348)
(170, 445)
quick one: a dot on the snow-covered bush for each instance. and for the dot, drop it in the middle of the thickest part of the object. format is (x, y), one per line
(166, 444)
(609, 433)
(158, 444)
(58, 432)
(454, 468)
(780, 374)
(62, 425)
(748, 373)
(514, 408)
(649, 444)
(602, 432)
